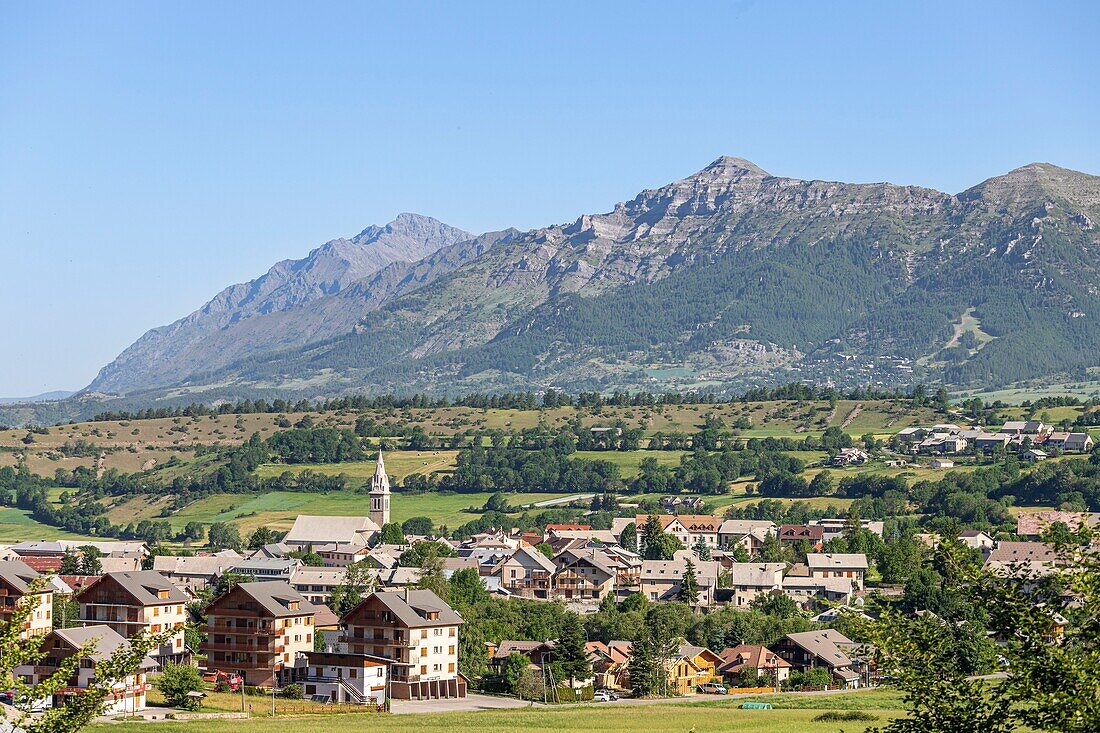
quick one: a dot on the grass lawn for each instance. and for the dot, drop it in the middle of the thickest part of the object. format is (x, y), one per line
(17, 525)
(277, 509)
(790, 716)
(399, 464)
(629, 461)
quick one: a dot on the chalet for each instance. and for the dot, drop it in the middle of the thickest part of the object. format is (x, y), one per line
(342, 554)
(850, 457)
(795, 533)
(747, 533)
(837, 565)
(527, 573)
(127, 695)
(610, 663)
(259, 630)
(140, 601)
(735, 661)
(357, 679)
(989, 442)
(690, 667)
(583, 575)
(418, 633)
(676, 503)
(310, 530)
(16, 579)
(1022, 560)
(1029, 427)
(828, 649)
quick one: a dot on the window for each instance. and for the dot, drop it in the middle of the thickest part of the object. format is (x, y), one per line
(451, 667)
(451, 650)
(423, 669)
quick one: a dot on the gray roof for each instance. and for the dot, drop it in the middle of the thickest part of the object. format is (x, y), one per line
(18, 574)
(824, 645)
(106, 641)
(413, 613)
(143, 585)
(180, 565)
(275, 597)
(832, 561)
(322, 529)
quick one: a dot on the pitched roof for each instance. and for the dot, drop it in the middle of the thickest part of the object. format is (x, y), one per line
(744, 526)
(801, 532)
(694, 523)
(750, 656)
(535, 556)
(757, 573)
(106, 641)
(208, 565)
(824, 645)
(275, 596)
(145, 586)
(1008, 552)
(836, 560)
(18, 575)
(413, 612)
(322, 529)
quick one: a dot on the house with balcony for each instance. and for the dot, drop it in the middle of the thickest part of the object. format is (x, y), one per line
(747, 580)
(583, 575)
(354, 679)
(260, 630)
(316, 584)
(16, 580)
(127, 695)
(143, 600)
(418, 633)
(848, 661)
(527, 573)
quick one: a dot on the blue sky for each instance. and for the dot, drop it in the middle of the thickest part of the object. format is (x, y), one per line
(152, 153)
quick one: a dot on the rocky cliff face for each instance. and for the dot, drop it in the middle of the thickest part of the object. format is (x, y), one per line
(729, 277)
(233, 323)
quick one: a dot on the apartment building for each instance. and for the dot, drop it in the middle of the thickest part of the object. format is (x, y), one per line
(260, 630)
(127, 695)
(16, 578)
(131, 602)
(418, 633)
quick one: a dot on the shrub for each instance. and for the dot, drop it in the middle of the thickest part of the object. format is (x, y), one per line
(176, 681)
(292, 692)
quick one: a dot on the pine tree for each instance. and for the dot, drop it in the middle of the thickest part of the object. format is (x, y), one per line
(643, 666)
(702, 551)
(689, 586)
(570, 651)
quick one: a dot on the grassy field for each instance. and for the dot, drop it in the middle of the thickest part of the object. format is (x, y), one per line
(399, 464)
(792, 714)
(629, 461)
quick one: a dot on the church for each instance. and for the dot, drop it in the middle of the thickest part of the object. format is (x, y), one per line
(380, 494)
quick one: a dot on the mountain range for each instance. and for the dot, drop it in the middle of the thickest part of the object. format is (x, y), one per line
(729, 278)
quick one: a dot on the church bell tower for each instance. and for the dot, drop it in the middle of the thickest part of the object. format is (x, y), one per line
(380, 494)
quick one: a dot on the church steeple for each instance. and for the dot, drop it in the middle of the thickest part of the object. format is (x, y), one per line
(380, 494)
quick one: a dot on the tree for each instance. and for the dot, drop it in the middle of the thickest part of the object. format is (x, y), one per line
(193, 531)
(514, 667)
(570, 651)
(227, 580)
(176, 681)
(546, 549)
(222, 536)
(391, 534)
(628, 538)
(262, 536)
(432, 577)
(775, 604)
(822, 484)
(415, 556)
(70, 563)
(359, 580)
(702, 550)
(418, 526)
(1058, 534)
(643, 666)
(689, 585)
(771, 549)
(76, 711)
(467, 588)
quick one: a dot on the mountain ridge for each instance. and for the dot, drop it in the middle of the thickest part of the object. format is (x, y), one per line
(729, 277)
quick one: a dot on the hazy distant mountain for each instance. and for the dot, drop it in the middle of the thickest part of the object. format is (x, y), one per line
(59, 394)
(728, 278)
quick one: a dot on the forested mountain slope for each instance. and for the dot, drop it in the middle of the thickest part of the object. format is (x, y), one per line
(731, 277)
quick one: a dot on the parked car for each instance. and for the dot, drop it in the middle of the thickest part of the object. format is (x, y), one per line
(713, 688)
(605, 696)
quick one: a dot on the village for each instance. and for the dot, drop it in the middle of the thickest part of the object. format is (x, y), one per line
(266, 619)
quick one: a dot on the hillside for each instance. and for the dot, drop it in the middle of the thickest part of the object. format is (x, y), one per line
(730, 278)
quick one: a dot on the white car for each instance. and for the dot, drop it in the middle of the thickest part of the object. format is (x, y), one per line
(604, 696)
(713, 688)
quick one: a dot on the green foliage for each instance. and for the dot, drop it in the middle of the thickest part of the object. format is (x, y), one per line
(392, 534)
(418, 526)
(175, 681)
(223, 536)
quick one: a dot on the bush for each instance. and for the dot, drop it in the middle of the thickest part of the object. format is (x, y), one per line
(840, 716)
(176, 681)
(292, 692)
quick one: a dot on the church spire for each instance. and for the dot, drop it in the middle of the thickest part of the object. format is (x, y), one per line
(380, 494)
